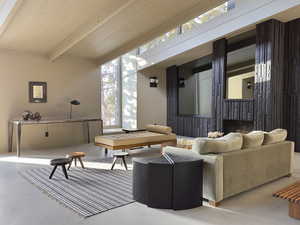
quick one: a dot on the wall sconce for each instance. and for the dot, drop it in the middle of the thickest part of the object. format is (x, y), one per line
(249, 85)
(73, 102)
(153, 81)
(181, 82)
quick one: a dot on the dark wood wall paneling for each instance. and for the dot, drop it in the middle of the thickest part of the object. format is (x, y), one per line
(276, 93)
(238, 109)
(219, 64)
(292, 81)
(269, 74)
(172, 96)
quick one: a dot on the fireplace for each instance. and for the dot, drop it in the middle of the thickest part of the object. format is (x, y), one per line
(237, 126)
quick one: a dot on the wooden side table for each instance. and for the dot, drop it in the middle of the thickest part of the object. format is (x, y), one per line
(292, 194)
(74, 156)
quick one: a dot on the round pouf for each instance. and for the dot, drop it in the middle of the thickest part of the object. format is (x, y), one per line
(168, 182)
(60, 162)
(74, 156)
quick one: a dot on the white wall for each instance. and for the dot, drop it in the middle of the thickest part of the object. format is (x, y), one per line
(68, 78)
(151, 102)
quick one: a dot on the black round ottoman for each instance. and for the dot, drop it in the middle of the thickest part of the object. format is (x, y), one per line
(168, 182)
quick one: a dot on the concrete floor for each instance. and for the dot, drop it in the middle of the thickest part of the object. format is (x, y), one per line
(21, 203)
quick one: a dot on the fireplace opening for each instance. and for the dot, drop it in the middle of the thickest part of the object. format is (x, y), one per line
(237, 126)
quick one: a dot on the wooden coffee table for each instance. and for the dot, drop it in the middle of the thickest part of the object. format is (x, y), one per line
(292, 194)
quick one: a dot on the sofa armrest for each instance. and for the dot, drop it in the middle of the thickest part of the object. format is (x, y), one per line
(212, 171)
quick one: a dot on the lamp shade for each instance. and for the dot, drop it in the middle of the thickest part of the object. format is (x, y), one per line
(74, 102)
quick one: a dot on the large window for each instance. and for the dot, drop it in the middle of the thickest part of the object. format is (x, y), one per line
(205, 17)
(110, 94)
(157, 41)
(119, 91)
(129, 89)
(190, 25)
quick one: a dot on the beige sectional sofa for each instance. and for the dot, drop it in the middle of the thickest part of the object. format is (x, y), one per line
(238, 169)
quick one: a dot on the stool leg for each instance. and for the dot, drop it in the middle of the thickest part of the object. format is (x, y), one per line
(70, 164)
(52, 171)
(114, 162)
(65, 171)
(80, 160)
(75, 162)
(124, 161)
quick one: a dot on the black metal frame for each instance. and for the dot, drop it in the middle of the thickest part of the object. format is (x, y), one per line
(37, 100)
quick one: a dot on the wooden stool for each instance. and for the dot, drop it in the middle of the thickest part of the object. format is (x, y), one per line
(60, 162)
(74, 156)
(122, 156)
(292, 194)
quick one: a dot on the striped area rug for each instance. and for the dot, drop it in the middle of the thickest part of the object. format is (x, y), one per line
(88, 191)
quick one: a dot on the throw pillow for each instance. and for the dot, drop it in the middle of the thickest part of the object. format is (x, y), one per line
(253, 139)
(228, 143)
(275, 136)
(159, 129)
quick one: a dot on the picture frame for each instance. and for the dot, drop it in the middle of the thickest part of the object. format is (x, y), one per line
(37, 92)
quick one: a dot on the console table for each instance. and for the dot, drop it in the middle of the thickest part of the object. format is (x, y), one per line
(17, 124)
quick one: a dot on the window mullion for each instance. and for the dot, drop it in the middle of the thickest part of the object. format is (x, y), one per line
(120, 93)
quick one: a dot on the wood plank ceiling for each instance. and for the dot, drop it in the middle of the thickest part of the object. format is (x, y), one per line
(91, 28)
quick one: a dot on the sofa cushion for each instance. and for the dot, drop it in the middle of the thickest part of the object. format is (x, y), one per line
(253, 139)
(159, 129)
(275, 136)
(228, 143)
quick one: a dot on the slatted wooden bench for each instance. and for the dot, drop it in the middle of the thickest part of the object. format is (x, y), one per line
(292, 194)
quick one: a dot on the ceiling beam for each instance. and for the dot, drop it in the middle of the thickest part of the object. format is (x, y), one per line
(84, 31)
(8, 9)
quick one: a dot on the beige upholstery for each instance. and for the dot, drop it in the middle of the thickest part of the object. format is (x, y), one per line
(230, 173)
(253, 139)
(159, 129)
(248, 168)
(275, 136)
(230, 142)
(134, 138)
